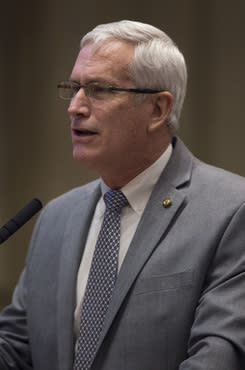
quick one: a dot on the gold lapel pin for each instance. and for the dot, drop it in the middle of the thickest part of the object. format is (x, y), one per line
(167, 202)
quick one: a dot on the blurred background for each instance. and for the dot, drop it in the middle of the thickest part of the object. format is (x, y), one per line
(39, 44)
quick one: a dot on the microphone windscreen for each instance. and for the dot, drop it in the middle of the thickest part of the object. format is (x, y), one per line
(20, 219)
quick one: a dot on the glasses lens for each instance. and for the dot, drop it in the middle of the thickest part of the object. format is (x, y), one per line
(67, 90)
(97, 91)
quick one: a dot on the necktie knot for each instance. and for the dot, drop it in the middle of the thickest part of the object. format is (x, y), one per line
(115, 200)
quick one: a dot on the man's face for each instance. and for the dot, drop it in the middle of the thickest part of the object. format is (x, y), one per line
(110, 134)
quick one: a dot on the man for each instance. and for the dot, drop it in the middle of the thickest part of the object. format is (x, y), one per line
(165, 292)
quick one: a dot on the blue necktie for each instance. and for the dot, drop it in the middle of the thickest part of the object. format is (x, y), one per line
(101, 280)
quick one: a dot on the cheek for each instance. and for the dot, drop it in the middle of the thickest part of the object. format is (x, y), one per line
(136, 127)
(125, 128)
(131, 138)
(122, 125)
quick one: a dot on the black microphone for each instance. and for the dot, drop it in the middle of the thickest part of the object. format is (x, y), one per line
(20, 219)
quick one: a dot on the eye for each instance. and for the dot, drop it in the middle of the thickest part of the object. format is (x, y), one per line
(97, 91)
(75, 87)
(67, 89)
(72, 86)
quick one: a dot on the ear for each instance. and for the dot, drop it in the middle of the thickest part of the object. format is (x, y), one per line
(162, 105)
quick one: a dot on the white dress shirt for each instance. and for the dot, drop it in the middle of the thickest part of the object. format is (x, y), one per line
(138, 192)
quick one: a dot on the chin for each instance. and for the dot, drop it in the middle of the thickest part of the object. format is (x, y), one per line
(85, 160)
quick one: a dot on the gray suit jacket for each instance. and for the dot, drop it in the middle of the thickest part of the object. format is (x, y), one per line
(179, 301)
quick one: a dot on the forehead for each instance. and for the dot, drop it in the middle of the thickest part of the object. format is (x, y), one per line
(108, 60)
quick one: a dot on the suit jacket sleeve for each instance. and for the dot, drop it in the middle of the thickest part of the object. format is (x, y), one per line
(217, 337)
(14, 342)
(15, 350)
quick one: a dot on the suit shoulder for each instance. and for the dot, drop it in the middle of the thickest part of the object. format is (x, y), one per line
(73, 196)
(219, 180)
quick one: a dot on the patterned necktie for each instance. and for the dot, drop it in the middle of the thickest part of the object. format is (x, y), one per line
(101, 280)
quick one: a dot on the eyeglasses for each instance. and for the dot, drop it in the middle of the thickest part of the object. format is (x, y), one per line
(99, 91)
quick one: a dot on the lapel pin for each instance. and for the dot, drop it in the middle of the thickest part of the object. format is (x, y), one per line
(167, 202)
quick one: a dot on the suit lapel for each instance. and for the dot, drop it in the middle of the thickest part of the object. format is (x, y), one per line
(155, 223)
(75, 234)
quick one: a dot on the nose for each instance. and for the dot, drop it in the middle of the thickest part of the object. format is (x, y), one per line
(79, 105)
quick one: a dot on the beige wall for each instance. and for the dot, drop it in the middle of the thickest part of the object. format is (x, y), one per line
(39, 41)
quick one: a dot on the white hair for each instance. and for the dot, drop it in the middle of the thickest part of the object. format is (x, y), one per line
(157, 63)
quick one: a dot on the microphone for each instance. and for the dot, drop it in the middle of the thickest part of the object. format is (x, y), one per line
(20, 219)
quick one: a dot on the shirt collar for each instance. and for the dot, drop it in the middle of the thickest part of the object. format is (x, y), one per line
(145, 181)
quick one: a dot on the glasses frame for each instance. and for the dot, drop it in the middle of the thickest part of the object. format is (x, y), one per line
(108, 88)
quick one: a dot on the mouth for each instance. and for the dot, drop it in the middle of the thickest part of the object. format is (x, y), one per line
(83, 132)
